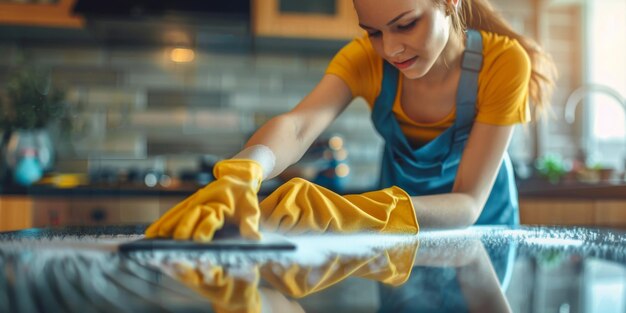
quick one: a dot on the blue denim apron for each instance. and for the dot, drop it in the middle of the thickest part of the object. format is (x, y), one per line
(431, 168)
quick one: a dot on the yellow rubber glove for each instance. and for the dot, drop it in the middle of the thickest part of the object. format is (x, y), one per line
(299, 206)
(231, 198)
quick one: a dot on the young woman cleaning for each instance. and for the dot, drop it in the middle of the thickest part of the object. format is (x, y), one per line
(447, 81)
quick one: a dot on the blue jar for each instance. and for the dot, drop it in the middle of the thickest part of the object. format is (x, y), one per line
(28, 170)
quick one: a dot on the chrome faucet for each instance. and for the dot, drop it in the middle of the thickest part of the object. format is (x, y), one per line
(579, 94)
(575, 97)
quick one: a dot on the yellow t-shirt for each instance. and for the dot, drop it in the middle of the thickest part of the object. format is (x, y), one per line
(502, 84)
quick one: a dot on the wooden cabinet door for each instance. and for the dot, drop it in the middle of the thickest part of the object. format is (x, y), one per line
(57, 14)
(269, 20)
(611, 213)
(557, 212)
(15, 213)
(51, 211)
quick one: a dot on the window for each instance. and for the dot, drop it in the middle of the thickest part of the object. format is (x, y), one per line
(606, 65)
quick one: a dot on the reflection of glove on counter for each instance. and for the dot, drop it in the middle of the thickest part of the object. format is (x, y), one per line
(392, 266)
(227, 293)
(237, 290)
(231, 198)
(299, 206)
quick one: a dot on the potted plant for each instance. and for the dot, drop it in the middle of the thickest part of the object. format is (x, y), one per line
(28, 103)
(552, 167)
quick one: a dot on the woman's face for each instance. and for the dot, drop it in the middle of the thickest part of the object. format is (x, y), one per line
(410, 34)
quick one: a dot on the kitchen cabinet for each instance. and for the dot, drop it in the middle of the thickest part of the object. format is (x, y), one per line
(557, 212)
(15, 212)
(106, 210)
(23, 211)
(301, 19)
(569, 212)
(611, 213)
(58, 14)
(50, 211)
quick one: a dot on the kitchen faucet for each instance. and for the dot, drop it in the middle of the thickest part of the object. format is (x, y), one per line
(580, 93)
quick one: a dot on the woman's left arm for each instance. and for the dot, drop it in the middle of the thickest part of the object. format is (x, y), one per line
(477, 171)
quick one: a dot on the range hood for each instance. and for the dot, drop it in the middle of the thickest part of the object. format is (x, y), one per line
(191, 23)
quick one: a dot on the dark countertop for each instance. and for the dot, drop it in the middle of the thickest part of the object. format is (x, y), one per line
(571, 190)
(479, 269)
(113, 190)
(527, 189)
(98, 191)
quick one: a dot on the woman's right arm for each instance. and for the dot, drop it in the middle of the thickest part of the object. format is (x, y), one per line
(289, 135)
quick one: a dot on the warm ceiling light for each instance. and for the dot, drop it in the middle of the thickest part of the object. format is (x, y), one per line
(182, 55)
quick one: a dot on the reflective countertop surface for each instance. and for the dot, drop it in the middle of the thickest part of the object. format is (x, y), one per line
(479, 269)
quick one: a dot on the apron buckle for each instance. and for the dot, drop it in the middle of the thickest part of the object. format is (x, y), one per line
(472, 61)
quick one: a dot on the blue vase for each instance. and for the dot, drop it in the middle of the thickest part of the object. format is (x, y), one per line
(27, 171)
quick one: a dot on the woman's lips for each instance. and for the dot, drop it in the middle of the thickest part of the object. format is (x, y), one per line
(405, 64)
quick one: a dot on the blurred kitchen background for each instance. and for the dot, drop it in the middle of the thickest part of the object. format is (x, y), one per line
(112, 111)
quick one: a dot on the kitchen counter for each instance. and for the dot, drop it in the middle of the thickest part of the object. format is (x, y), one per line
(526, 188)
(114, 190)
(541, 203)
(108, 190)
(479, 269)
(573, 190)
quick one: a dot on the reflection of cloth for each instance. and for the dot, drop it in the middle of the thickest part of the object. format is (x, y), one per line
(299, 206)
(227, 293)
(432, 168)
(392, 267)
(232, 197)
(240, 292)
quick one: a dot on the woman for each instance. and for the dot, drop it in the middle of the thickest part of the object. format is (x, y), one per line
(447, 80)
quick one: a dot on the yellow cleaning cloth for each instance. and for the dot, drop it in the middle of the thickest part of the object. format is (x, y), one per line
(231, 198)
(299, 206)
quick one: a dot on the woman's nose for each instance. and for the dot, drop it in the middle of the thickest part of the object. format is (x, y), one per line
(392, 46)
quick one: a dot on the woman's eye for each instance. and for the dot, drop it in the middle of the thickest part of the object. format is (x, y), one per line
(407, 26)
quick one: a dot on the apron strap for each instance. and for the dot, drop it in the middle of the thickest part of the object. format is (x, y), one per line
(471, 65)
(382, 110)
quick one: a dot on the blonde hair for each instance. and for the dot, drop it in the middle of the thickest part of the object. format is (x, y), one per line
(480, 15)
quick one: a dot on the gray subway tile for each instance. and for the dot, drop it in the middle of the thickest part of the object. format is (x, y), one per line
(133, 58)
(280, 63)
(86, 76)
(187, 98)
(224, 62)
(141, 78)
(52, 55)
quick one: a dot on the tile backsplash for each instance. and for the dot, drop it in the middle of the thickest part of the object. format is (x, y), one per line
(134, 106)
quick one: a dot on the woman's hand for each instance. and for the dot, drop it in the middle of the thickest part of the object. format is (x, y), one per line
(231, 198)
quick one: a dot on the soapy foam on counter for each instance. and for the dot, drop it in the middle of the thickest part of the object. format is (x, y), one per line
(316, 249)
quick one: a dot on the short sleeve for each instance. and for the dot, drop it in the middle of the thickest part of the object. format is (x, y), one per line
(503, 91)
(359, 67)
